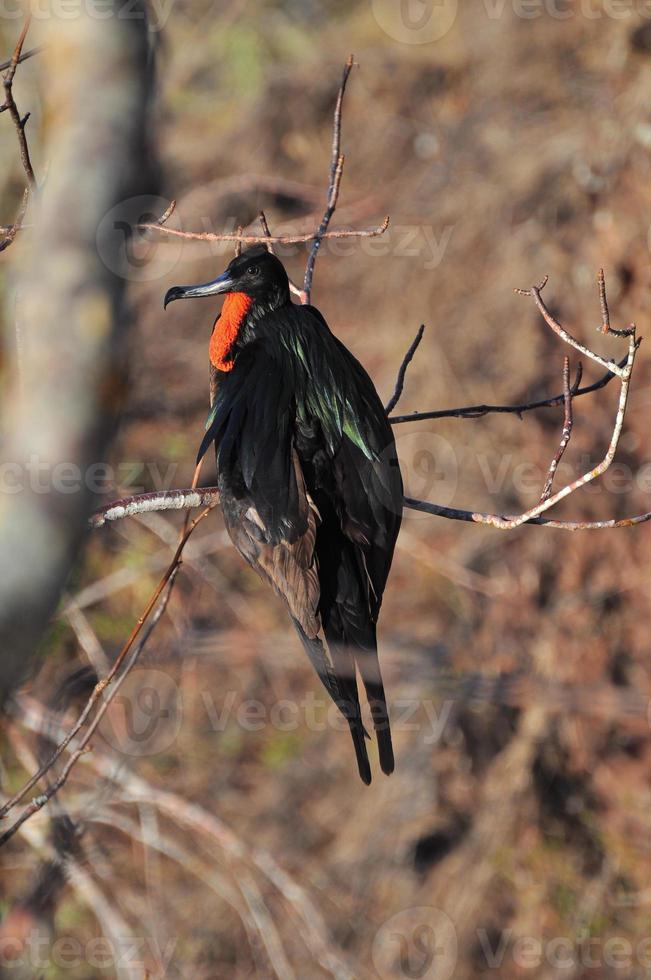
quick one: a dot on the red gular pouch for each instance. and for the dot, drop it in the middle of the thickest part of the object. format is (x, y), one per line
(226, 330)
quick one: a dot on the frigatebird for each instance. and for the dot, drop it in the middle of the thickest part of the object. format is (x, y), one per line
(308, 474)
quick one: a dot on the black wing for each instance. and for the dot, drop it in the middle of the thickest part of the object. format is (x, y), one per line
(348, 453)
(268, 509)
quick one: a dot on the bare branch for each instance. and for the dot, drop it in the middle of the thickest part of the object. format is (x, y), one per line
(25, 56)
(209, 236)
(605, 313)
(503, 521)
(148, 503)
(167, 214)
(533, 515)
(191, 498)
(11, 232)
(10, 106)
(566, 434)
(479, 411)
(101, 686)
(9, 68)
(39, 801)
(624, 374)
(406, 361)
(292, 285)
(316, 237)
(334, 185)
(265, 228)
(603, 302)
(535, 292)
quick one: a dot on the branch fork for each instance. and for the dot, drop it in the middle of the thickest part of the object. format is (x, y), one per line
(9, 105)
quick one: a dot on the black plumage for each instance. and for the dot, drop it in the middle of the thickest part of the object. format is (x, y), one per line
(309, 480)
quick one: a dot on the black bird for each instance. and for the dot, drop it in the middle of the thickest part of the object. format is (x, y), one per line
(308, 474)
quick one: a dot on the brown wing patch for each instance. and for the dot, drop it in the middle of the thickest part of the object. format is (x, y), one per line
(289, 566)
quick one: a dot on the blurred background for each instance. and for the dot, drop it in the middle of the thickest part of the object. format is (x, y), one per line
(219, 828)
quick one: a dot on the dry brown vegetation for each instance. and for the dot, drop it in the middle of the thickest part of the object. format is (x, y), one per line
(520, 805)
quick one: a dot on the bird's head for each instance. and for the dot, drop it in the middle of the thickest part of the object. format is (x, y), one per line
(255, 283)
(255, 274)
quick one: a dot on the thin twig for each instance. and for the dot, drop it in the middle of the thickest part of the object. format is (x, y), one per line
(478, 411)
(317, 236)
(87, 638)
(39, 801)
(533, 515)
(293, 288)
(603, 302)
(101, 686)
(624, 374)
(199, 821)
(209, 236)
(10, 106)
(168, 847)
(406, 361)
(167, 214)
(265, 229)
(566, 435)
(11, 232)
(605, 313)
(535, 292)
(504, 522)
(334, 183)
(23, 57)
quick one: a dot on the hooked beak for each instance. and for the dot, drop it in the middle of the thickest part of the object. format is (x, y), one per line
(223, 284)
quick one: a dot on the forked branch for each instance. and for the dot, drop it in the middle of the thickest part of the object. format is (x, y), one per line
(104, 691)
(182, 499)
(479, 411)
(302, 295)
(266, 238)
(84, 742)
(20, 122)
(334, 184)
(10, 106)
(245, 239)
(623, 373)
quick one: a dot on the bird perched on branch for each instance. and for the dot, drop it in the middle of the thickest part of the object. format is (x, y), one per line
(308, 474)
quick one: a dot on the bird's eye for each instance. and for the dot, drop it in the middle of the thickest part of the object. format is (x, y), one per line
(253, 270)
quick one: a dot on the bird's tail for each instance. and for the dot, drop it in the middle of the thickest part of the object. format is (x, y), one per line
(338, 678)
(369, 667)
(353, 643)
